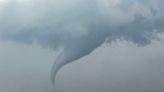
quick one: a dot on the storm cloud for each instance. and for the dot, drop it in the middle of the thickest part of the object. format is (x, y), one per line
(54, 23)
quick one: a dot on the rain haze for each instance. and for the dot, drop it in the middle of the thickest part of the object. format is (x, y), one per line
(81, 45)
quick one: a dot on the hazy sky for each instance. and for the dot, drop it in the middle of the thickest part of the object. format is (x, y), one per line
(117, 45)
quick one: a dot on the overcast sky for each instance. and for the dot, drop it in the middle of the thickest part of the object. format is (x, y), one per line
(116, 45)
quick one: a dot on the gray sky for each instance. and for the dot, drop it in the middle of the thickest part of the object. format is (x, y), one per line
(118, 67)
(117, 45)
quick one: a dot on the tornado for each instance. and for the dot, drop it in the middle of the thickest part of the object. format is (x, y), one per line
(79, 26)
(76, 49)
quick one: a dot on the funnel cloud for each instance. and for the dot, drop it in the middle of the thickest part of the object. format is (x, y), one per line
(78, 27)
